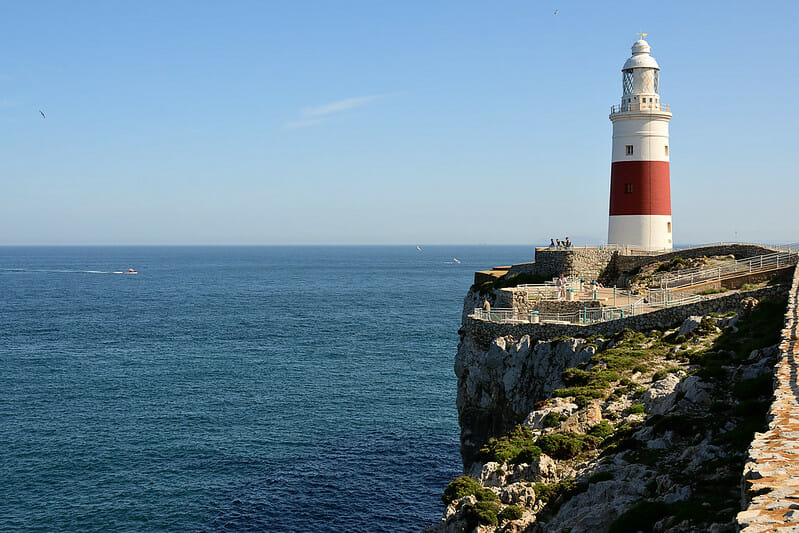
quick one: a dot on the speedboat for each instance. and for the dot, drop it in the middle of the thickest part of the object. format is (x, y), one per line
(130, 271)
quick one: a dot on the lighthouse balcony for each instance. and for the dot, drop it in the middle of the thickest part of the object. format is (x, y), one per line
(637, 106)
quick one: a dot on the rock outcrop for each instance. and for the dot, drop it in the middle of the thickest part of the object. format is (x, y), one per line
(500, 385)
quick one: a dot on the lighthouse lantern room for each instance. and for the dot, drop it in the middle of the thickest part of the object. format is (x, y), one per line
(640, 198)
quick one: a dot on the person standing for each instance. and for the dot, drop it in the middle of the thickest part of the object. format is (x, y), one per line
(486, 308)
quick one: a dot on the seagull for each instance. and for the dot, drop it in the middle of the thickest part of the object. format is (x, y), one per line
(556, 12)
(42, 112)
(418, 247)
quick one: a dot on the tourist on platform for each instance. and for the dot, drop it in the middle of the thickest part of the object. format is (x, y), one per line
(562, 287)
(568, 243)
(486, 307)
(558, 243)
(551, 243)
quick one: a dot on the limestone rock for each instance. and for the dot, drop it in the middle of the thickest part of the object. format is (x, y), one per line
(689, 325)
(659, 398)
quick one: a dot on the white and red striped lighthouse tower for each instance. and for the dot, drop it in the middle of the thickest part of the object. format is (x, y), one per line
(640, 197)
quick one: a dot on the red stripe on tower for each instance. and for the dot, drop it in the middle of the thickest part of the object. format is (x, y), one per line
(640, 188)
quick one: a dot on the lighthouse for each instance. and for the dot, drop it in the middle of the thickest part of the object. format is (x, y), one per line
(640, 197)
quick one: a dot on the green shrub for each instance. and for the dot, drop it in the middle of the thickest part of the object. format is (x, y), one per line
(636, 409)
(565, 445)
(550, 493)
(518, 446)
(675, 264)
(748, 287)
(553, 419)
(466, 486)
(481, 513)
(575, 377)
(511, 512)
(602, 430)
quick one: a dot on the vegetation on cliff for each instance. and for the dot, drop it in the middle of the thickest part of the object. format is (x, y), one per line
(655, 439)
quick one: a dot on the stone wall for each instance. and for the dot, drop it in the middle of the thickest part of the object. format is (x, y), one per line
(581, 262)
(484, 332)
(613, 267)
(770, 491)
(619, 268)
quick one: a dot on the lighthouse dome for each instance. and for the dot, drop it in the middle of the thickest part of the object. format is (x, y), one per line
(641, 57)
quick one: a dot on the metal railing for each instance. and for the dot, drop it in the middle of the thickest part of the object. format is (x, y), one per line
(694, 276)
(587, 315)
(648, 106)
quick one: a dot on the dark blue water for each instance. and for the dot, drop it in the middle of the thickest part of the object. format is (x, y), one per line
(230, 388)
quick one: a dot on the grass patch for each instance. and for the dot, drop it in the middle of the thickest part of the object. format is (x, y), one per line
(716, 290)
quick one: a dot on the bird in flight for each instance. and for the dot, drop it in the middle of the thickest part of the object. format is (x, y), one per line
(556, 12)
(42, 112)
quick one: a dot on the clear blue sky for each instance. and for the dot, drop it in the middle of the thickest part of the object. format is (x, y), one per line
(360, 122)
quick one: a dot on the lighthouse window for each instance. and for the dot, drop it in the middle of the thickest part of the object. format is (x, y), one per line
(628, 149)
(628, 188)
(668, 227)
(627, 81)
(667, 149)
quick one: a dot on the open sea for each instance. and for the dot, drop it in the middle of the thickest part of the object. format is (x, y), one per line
(304, 389)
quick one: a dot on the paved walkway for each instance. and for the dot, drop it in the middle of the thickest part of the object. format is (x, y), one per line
(771, 474)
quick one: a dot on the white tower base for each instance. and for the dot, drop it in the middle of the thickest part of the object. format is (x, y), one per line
(639, 232)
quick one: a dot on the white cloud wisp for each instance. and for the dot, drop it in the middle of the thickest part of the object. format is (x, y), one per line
(311, 116)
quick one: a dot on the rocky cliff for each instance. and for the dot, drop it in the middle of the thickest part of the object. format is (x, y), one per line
(619, 431)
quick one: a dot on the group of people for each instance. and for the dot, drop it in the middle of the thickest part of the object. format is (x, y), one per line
(566, 243)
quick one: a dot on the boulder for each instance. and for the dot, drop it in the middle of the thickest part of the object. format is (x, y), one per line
(659, 398)
(689, 325)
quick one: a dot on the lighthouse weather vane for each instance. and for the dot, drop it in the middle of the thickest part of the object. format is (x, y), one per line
(642, 35)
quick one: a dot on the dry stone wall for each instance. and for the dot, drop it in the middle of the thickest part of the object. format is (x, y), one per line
(583, 262)
(771, 474)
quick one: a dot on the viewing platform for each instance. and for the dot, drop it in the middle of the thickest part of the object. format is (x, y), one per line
(584, 301)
